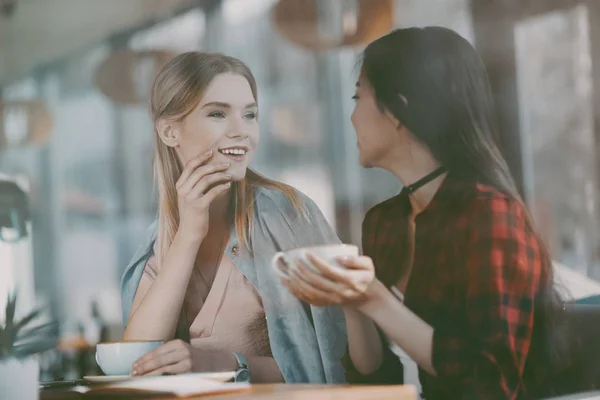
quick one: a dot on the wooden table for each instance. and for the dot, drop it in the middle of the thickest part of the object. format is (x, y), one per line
(322, 392)
(288, 392)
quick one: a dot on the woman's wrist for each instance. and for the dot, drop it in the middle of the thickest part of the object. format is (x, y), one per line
(214, 361)
(187, 238)
(376, 296)
(223, 361)
(350, 309)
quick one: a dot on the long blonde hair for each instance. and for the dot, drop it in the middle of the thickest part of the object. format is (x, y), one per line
(177, 90)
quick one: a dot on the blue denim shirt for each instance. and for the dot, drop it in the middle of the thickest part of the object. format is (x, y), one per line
(305, 351)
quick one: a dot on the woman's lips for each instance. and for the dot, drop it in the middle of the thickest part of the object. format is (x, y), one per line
(235, 157)
(235, 153)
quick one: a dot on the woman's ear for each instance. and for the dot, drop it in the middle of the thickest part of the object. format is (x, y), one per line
(168, 132)
(392, 119)
(395, 121)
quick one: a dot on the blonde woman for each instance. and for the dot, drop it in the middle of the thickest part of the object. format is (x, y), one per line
(202, 281)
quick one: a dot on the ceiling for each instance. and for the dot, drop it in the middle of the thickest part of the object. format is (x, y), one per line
(43, 31)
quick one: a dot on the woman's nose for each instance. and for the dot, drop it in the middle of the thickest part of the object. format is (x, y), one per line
(237, 129)
(237, 134)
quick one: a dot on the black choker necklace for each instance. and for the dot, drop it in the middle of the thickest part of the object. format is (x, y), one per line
(424, 181)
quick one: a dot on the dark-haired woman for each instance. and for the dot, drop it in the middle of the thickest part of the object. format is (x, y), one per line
(453, 270)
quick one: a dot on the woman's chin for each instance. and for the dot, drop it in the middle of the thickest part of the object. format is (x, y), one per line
(365, 163)
(237, 174)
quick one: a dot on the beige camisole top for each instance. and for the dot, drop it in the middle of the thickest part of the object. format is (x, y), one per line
(227, 315)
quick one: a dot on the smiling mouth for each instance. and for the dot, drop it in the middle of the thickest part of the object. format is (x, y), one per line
(236, 153)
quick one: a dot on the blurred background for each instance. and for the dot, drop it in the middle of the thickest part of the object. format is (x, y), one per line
(76, 135)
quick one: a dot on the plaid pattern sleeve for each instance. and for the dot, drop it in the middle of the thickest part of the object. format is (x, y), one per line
(485, 351)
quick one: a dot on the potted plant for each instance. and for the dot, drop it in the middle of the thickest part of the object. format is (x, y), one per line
(20, 342)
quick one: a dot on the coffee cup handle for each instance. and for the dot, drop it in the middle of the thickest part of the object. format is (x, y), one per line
(276, 263)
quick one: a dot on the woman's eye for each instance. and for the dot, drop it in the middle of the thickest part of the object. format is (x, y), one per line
(217, 114)
(355, 97)
(250, 116)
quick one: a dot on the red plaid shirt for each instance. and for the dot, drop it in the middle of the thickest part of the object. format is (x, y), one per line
(475, 277)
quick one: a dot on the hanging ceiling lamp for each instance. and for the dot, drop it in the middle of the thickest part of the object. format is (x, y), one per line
(322, 25)
(126, 76)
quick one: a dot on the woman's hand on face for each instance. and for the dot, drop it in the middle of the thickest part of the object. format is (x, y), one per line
(199, 184)
(174, 357)
(327, 284)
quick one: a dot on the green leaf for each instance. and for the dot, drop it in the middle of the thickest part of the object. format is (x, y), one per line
(46, 330)
(27, 349)
(19, 341)
(11, 305)
(8, 336)
(27, 319)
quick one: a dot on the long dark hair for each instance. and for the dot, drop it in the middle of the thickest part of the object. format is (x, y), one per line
(433, 81)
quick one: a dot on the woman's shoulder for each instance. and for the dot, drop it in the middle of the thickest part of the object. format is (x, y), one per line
(385, 205)
(279, 211)
(290, 204)
(493, 214)
(466, 198)
(391, 206)
(488, 200)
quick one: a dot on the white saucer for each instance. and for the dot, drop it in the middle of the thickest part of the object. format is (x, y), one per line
(107, 379)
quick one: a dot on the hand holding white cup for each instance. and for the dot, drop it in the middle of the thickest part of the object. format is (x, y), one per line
(327, 275)
(117, 358)
(290, 259)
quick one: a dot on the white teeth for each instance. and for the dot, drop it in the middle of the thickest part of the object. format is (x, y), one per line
(236, 152)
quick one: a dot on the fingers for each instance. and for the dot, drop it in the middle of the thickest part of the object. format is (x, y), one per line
(331, 272)
(180, 367)
(316, 280)
(319, 282)
(192, 164)
(163, 349)
(362, 262)
(159, 362)
(207, 182)
(201, 173)
(303, 291)
(169, 353)
(215, 192)
(310, 286)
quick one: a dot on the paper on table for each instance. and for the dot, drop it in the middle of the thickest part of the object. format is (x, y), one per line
(176, 385)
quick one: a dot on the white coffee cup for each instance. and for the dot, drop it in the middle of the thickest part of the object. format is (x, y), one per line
(328, 253)
(117, 358)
